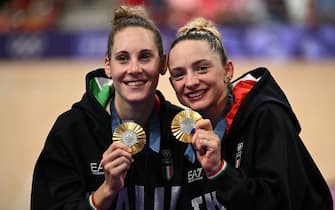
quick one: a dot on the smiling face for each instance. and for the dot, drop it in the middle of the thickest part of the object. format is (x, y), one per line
(197, 76)
(134, 65)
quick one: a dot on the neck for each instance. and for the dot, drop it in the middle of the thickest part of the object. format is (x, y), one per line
(139, 112)
(214, 112)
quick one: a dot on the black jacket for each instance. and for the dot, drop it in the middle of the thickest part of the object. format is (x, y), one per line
(68, 169)
(275, 169)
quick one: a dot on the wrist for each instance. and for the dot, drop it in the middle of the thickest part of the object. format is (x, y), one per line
(92, 203)
(102, 198)
(218, 171)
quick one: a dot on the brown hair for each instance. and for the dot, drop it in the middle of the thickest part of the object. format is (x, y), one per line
(202, 29)
(126, 16)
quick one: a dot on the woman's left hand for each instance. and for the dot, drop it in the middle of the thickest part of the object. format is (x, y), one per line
(207, 145)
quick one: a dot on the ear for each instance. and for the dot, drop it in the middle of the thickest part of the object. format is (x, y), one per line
(163, 65)
(229, 68)
(108, 71)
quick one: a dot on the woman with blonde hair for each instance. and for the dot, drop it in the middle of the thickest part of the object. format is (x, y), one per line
(248, 143)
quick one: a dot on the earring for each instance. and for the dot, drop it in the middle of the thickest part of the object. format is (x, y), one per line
(226, 80)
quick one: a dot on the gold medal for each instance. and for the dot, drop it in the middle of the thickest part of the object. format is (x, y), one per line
(132, 135)
(183, 123)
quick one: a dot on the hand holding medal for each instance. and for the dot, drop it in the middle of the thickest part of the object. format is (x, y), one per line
(132, 135)
(183, 123)
(206, 143)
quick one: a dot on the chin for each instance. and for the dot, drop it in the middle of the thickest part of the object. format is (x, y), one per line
(196, 106)
(136, 98)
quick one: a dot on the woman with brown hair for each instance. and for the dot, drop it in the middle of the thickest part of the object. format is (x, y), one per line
(114, 148)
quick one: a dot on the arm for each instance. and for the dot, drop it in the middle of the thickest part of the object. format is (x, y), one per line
(273, 174)
(57, 182)
(62, 177)
(116, 161)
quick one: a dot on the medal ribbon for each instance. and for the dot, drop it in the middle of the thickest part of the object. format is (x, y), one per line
(154, 137)
(219, 129)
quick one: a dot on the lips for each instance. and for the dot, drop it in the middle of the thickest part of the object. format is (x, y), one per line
(195, 95)
(135, 83)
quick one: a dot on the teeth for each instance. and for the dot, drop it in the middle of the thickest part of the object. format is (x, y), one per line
(192, 95)
(135, 83)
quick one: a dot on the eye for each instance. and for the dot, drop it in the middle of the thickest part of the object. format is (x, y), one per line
(177, 75)
(122, 58)
(203, 67)
(145, 56)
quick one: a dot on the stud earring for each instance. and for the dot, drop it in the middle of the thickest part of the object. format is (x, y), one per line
(226, 80)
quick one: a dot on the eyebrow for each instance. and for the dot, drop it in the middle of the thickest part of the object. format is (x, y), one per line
(147, 50)
(141, 51)
(121, 52)
(176, 69)
(179, 68)
(199, 62)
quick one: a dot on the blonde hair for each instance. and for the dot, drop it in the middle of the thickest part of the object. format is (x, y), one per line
(199, 24)
(202, 29)
(127, 16)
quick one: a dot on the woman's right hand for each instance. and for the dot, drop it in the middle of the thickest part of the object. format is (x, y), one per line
(116, 161)
(207, 145)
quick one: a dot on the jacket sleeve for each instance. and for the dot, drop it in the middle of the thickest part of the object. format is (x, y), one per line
(276, 172)
(57, 180)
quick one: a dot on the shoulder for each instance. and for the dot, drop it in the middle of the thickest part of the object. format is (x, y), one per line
(173, 108)
(276, 117)
(68, 118)
(166, 105)
(68, 124)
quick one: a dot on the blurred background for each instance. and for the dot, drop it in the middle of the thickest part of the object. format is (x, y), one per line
(48, 46)
(279, 29)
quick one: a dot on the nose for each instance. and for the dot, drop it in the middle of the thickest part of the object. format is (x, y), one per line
(134, 67)
(191, 81)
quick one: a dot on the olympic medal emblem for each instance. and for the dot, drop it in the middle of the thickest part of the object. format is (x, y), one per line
(183, 123)
(132, 135)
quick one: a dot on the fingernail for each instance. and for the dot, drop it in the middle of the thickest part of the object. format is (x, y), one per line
(192, 131)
